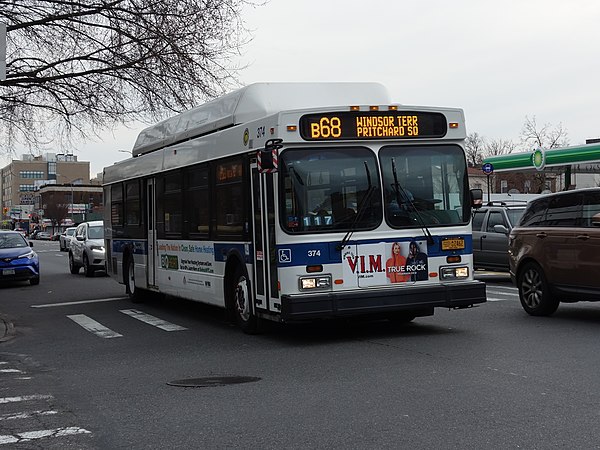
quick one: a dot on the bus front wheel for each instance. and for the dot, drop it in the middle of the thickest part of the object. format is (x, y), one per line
(241, 303)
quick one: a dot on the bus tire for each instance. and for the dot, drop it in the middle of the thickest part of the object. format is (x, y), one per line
(241, 303)
(135, 294)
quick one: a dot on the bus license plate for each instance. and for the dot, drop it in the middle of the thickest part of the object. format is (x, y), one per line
(8, 272)
(453, 244)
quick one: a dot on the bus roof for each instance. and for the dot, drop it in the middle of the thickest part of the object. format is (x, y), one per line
(253, 102)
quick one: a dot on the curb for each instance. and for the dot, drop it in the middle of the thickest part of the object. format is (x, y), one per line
(7, 329)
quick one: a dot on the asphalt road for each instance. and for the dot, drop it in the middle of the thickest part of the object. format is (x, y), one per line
(99, 375)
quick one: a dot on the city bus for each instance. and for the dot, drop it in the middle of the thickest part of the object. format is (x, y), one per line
(297, 202)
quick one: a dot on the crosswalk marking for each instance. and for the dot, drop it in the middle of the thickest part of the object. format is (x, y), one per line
(498, 294)
(24, 398)
(95, 327)
(80, 302)
(39, 434)
(27, 415)
(151, 320)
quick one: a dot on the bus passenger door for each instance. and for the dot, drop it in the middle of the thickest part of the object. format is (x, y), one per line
(151, 228)
(263, 236)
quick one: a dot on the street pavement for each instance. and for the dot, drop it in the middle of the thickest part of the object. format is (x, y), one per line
(6, 328)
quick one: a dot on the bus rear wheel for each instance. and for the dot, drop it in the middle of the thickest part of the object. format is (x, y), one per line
(241, 303)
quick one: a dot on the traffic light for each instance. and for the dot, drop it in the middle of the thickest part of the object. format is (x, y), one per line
(5, 210)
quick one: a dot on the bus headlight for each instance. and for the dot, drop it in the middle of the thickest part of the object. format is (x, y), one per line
(319, 282)
(454, 273)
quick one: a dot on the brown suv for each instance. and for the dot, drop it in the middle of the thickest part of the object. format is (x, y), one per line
(554, 251)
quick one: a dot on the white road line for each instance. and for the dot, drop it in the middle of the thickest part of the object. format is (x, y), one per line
(94, 327)
(147, 318)
(49, 305)
(27, 415)
(39, 434)
(25, 398)
(10, 371)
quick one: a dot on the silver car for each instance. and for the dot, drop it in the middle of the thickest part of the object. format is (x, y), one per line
(87, 248)
(65, 239)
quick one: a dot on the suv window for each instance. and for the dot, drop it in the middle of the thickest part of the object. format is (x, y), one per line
(534, 215)
(495, 218)
(591, 207)
(563, 211)
(96, 232)
(478, 219)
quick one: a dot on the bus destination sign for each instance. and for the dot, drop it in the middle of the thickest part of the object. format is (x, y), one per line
(372, 125)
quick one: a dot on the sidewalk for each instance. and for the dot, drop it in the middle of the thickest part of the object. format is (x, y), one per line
(7, 329)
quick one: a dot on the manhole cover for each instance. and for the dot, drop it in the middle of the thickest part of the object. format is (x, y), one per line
(212, 381)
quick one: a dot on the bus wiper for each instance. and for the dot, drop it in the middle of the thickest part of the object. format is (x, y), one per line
(360, 209)
(399, 189)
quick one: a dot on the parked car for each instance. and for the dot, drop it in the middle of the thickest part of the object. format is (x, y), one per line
(491, 225)
(55, 236)
(86, 248)
(65, 239)
(18, 261)
(554, 251)
(21, 230)
(43, 236)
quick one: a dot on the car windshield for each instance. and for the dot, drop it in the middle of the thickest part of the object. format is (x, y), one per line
(324, 188)
(96, 232)
(71, 232)
(514, 215)
(12, 241)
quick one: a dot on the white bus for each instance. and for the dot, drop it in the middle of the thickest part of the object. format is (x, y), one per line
(297, 201)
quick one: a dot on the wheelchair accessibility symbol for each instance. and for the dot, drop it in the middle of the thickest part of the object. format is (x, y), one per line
(285, 255)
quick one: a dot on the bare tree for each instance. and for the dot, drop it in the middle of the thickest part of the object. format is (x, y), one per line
(547, 136)
(475, 148)
(76, 67)
(56, 212)
(499, 147)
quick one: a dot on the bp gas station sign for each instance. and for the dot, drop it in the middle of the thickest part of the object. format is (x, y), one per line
(539, 158)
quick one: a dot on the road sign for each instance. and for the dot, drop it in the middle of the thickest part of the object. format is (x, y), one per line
(487, 168)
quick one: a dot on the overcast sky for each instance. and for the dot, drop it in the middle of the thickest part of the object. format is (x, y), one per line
(499, 61)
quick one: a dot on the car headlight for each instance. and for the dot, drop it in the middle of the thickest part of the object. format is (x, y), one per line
(98, 248)
(319, 282)
(454, 273)
(28, 255)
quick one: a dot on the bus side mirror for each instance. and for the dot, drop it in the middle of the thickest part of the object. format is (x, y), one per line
(268, 157)
(476, 198)
(265, 158)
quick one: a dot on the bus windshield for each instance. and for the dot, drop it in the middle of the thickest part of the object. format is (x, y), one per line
(424, 185)
(325, 188)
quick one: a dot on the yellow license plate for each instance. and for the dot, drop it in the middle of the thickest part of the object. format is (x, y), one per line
(453, 244)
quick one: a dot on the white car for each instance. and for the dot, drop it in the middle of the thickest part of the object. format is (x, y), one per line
(87, 248)
(65, 239)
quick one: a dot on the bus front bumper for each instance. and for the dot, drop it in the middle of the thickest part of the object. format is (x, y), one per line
(365, 302)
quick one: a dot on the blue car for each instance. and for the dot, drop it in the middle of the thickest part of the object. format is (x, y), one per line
(18, 261)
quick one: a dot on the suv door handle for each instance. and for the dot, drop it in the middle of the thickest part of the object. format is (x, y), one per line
(541, 235)
(583, 237)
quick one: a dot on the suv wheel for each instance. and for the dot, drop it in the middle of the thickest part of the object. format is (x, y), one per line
(534, 291)
(73, 267)
(87, 267)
